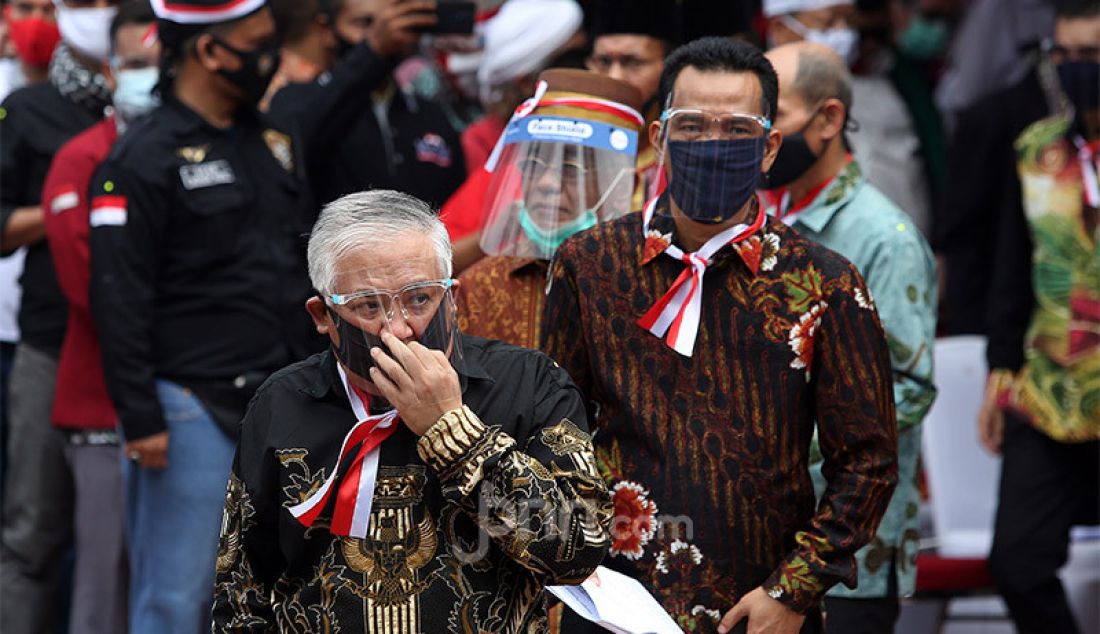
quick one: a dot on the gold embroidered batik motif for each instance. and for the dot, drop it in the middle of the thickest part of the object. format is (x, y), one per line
(393, 553)
(566, 439)
(303, 482)
(236, 516)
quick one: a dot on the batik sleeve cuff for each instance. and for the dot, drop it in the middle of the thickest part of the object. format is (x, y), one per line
(458, 445)
(795, 586)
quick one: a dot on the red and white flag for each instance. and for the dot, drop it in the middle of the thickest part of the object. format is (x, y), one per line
(355, 490)
(108, 211)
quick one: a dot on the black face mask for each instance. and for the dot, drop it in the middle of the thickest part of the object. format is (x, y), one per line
(794, 159)
(355, 346)
(1081, 83)
(257, 69)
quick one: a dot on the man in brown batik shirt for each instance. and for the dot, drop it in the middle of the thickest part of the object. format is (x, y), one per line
(709, 340)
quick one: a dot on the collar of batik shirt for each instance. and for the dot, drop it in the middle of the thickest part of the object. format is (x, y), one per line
(759, 252)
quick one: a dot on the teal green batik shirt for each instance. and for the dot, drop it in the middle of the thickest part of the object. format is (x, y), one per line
(857, 221)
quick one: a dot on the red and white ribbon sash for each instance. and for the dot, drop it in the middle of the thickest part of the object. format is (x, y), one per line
(355, 491)
(626, 113)
(1090, 165)
(678, 311)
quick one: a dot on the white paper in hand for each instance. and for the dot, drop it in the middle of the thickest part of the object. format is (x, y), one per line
(619, 604)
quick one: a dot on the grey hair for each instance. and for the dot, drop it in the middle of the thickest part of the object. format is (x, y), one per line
(371, 218)
(822, 77)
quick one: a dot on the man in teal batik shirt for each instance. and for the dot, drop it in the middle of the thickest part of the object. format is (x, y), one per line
(818, 188)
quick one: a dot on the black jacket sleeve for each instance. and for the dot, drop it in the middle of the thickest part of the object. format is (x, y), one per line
(13, 167)
(124, 271)
(321, 113)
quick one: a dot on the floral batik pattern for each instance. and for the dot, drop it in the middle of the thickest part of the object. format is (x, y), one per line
(708, 454)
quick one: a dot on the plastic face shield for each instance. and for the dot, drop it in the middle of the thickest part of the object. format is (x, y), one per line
(408, 299)
(555, 177)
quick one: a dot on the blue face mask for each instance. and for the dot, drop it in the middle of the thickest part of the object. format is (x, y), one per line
(133, 97)
(547, 241)
(712, 180)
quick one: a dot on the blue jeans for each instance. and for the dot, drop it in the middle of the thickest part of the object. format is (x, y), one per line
(174, 520)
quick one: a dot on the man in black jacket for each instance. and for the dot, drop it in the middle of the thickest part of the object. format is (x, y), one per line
(35, 122)
(465, 481)
(397, 141)
(198, 275)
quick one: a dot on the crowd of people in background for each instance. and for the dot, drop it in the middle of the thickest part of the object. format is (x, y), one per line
(732, 230)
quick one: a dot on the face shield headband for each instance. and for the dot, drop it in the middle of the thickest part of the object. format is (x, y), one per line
(554, 176)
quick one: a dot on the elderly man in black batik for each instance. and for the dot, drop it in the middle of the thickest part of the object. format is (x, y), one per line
(411, 479)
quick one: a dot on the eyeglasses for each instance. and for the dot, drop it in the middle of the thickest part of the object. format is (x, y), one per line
(418, 300)
(629, 63)
(535, 167)
(685, 124)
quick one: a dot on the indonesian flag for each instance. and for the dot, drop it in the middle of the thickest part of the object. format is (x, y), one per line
(108, 211)
(355, 490)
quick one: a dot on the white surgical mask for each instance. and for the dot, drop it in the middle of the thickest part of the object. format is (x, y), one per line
(844, 41)
(133, 97)
(86, 30)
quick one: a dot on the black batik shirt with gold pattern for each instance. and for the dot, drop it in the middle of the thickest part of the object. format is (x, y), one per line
(468, 522)
(707, 455)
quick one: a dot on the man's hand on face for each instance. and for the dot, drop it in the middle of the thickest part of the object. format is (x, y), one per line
(150, 452)
(397, 26)
(765, 615)
(420, 383)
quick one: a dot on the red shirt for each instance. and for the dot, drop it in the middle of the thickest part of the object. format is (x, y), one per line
(478, 141)
(81, 399)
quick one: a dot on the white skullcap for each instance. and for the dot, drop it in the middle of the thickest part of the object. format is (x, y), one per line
(783, 7)
(523, 35)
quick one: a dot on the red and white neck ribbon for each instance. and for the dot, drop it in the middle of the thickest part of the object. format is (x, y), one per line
(355, 491)
(626, 113)
(1090, 165)
(678, 311)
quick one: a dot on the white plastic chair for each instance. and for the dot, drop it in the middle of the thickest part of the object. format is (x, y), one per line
(962, 477)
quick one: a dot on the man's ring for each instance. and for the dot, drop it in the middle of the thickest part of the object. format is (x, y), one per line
(134, 456)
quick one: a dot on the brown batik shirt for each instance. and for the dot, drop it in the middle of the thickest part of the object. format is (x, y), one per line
(707, 456)
(501, 297)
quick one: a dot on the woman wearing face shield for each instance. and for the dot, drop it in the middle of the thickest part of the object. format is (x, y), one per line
(564, 163)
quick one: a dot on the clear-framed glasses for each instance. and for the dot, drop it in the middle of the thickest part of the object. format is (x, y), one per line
(684, 124)
(569, 167)
(419, 300)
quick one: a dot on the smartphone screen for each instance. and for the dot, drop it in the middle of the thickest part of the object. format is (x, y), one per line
(454, 18)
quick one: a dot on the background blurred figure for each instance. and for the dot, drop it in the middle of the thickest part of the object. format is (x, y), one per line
(982, 188)
(995, 47)
(33, 34)
(522, 39)
(308, 44)
(35, 121)
(519, 41)
(1042, 405)
(544, 188)
(82, 410)
(819, 190)
(397, 141)
(630, 41)
(882, 135)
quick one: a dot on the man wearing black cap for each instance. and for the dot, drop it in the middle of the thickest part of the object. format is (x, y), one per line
(198, 278)
(629, 42)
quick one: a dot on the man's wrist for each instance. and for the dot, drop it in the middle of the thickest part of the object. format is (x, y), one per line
(999, 386)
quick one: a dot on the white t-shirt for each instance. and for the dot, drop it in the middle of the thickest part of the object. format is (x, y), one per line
(11, 268)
